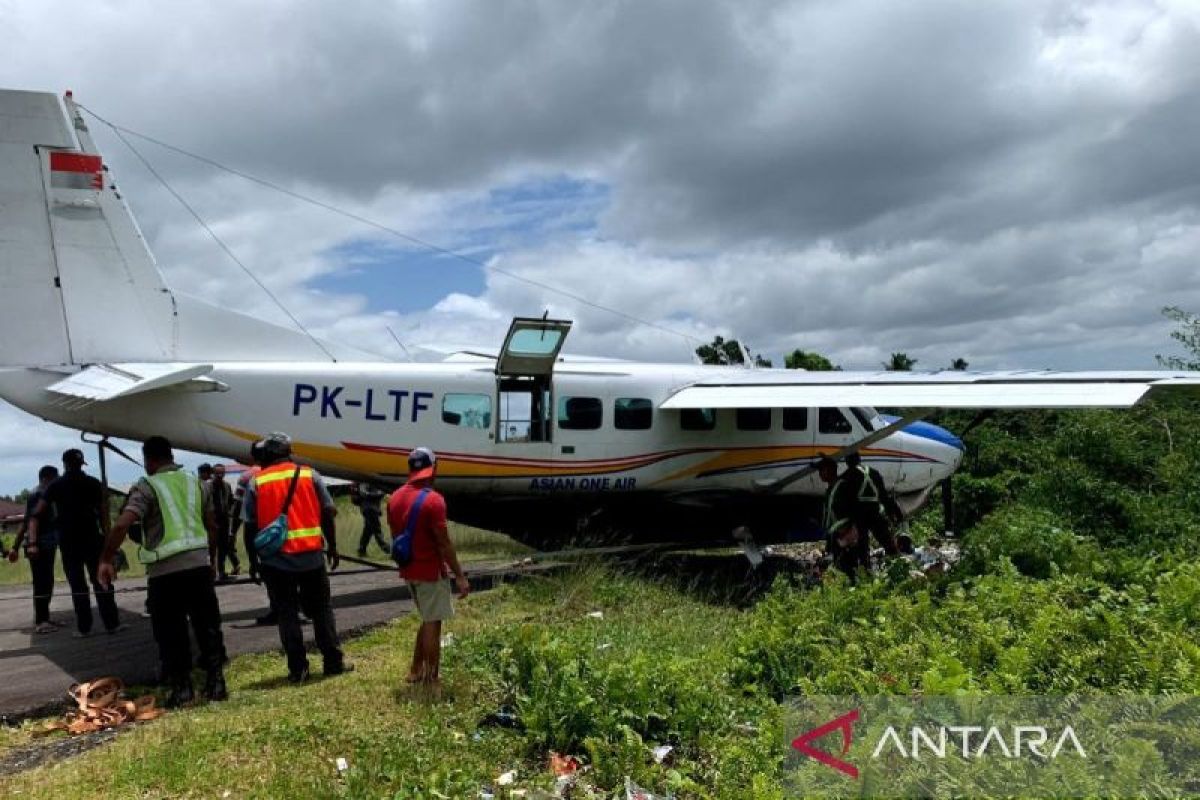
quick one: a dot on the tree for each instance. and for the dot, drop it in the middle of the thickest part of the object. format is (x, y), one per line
(1187, 334)
(730, 351)
(959, 364)
(900, 363)
(813, 362)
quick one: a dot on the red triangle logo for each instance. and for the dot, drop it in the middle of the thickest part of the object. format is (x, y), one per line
(845, 724)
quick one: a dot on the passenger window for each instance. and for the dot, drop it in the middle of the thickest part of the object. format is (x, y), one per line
(832, 420)
(795, 419)
(754, 419)
(633, 413)
(580, 413)
(697, 419)
(467, 410)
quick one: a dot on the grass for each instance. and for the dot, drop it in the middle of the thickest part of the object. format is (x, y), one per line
(473, 544)
(275, 740)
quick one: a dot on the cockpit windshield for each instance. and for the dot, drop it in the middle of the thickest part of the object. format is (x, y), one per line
(869, 418)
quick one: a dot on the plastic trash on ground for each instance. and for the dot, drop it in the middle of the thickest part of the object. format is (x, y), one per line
(635, 792)
(563, 765)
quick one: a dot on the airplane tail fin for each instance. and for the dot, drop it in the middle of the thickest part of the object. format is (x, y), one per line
(78, 285)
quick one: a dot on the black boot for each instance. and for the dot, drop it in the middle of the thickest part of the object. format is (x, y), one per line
(214, 686)
(182, 693)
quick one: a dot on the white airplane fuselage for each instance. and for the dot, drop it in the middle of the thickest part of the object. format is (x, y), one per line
(359, 421)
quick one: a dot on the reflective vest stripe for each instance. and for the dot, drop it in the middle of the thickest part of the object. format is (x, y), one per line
(832, 523)
(179, 502)
(868, 492)
(282, 475)
(303, 541)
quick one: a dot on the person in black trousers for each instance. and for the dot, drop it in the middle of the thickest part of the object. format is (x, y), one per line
(41, 565)
(222, 503)
(78, 503)
(368, 500)
(179, 541)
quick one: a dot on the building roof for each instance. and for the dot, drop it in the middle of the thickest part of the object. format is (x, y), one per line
(11, 512)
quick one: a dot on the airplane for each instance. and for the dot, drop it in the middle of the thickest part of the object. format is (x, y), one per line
(530, 441)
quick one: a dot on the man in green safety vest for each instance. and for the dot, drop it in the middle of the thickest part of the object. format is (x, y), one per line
(875, 508)
(178, 546)
(841, 534)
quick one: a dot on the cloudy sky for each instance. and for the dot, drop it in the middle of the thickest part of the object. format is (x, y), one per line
(1015, 183)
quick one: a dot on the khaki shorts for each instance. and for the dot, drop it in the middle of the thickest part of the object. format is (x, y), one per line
(432, 599)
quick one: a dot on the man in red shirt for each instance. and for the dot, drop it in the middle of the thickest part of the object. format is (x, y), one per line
(433, 560)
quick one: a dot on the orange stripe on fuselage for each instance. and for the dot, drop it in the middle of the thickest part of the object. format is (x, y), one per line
(383, 459)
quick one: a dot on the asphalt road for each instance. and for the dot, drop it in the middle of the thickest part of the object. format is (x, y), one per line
(36, 670)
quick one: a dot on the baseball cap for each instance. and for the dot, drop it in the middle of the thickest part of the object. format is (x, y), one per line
(421, 462)
(73, 456)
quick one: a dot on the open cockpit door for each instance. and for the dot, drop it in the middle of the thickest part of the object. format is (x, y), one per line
(532, 346)
(524, 378)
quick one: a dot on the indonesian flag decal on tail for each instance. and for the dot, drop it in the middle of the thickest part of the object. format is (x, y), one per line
(76, 171)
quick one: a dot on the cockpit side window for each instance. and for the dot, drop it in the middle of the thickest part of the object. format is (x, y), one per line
(832, 420)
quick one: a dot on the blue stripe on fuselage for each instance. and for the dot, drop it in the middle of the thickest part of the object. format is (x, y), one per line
(930, 431)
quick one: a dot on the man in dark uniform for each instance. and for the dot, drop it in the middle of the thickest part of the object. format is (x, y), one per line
(368, 498)
(841, 535)
(41, 561)
(222, 503)
(78, 501)
(875, 508)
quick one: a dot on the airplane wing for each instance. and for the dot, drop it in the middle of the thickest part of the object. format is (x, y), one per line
(102, 382)
(917, 390)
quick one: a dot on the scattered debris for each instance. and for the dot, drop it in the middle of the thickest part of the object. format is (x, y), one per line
(447, 640)
(596, 614)
(635, 792)
(604, 645)
(746, 729)
(505, 717)
(754, 555)
(100, 706)
(342, 765)
(662, 753)
(563, 765)
(507, 778)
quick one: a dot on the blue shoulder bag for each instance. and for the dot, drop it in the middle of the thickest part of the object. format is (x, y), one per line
(402, 544)
(270, 539)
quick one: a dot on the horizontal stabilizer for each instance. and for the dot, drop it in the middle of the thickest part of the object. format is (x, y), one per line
(102, 382)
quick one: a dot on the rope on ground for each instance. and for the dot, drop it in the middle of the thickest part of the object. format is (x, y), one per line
(370, 567)
(100, 706)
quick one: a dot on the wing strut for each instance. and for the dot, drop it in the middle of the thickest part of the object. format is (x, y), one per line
(772, 485)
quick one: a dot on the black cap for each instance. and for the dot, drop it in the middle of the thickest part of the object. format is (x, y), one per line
(73, 457)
